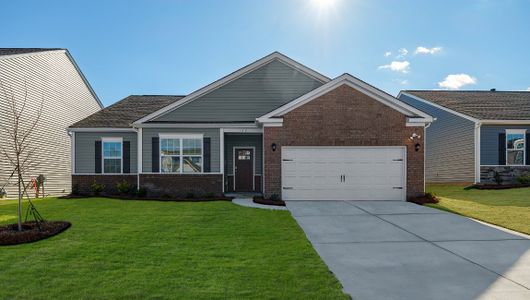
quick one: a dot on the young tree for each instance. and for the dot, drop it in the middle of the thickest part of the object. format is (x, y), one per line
(18, 150)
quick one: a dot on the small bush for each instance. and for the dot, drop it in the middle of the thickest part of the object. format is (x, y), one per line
(124, 187)
(97, 188)
(497, 177)
(3, 193)
(141, 192)
(190, 195)
(209, 195)
(524, 179)
(274, 197)
(75, 190)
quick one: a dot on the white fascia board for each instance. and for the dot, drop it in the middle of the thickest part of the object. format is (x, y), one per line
(355, 84)
(505, 122)
(231, 77)
(475, 120)
(101, 129)
(196, 125)
(242, 130)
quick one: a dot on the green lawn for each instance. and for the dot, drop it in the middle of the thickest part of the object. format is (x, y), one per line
(507, 208)
(147, 249)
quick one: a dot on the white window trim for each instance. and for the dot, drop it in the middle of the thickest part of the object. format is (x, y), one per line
(515, 131)
(111, 140)
(181, 155)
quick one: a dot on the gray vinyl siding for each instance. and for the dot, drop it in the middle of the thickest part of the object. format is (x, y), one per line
(248, 97)
(48, 76)
(85, 149)
(449, 145)
(212, 133)
(489, 142)
(243, 140)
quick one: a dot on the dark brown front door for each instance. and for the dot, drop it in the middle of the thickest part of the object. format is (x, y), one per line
(244, 169)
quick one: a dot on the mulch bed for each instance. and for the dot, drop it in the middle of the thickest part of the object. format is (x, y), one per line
(129, 197)
(261, 200)
(500, 186)
(9, 234)
(424, 200)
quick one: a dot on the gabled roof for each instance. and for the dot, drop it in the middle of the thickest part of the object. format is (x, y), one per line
(415, 115)
(13, 51)
(233, 76)
(8, 53)
(122, 113)
(480, 105)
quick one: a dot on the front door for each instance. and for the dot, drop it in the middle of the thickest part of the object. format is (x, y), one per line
(244, 169)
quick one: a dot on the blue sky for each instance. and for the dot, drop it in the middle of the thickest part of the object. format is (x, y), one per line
(176, 47)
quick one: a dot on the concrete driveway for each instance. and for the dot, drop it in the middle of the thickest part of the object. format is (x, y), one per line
(400, 250)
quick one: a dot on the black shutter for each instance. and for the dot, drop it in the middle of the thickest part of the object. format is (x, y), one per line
(527, 148)
(97, 157)
(206, 153)
(126, 157)
(155, 155)
(502, 149)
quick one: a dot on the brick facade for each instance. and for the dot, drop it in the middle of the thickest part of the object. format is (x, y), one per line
(82, 183)
(180, 185)
(343, 117)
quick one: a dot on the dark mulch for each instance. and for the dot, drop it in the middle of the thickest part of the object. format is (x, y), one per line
(9, 234)
(261, 200)
(424, 199)
(131, 197)
(500, 186)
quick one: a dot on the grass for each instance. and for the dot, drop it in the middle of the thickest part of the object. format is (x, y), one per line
(120, 249)
(508, 208)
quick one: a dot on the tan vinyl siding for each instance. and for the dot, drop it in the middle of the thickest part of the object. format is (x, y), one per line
(212, 133)
(85, 149)
(50, 76)
(449, 145)
(248, 97)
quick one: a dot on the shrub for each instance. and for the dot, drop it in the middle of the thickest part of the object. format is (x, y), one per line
(141, 192)
(2, 193)
(97, 188)
(190, 195)
(497, 177)
(274, 197)
(75, 190)
(124, 187)
(524, 179)
(209, 195)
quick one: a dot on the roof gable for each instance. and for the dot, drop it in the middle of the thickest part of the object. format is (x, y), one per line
(274, 58)
(479, 105)
(414, 114)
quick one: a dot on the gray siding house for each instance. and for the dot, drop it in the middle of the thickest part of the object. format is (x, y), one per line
(51, 76)
(233, 135)
(476, 134)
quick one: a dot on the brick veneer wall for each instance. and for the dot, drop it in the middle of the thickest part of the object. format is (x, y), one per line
(343, 117)
(179, 185)
(83, 182)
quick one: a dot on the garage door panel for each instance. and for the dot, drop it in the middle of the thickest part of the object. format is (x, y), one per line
(343, 173)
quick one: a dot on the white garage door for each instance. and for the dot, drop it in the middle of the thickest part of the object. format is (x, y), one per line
(343, 173)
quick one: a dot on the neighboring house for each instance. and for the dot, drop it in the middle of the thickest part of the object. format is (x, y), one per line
(51, 76)
(274, 126)
(475, 135)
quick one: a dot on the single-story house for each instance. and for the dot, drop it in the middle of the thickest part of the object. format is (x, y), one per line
(274, 126)
(47, 77)
(477, 136)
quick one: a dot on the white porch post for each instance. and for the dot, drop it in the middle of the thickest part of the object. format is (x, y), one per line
(222, 156)
(139, 167)
(477, 152)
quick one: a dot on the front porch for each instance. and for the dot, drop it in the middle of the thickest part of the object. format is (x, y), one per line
(243, 162)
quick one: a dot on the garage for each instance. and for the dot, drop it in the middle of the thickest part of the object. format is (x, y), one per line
(344, 173)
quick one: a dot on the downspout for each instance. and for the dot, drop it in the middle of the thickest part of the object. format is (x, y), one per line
(477, 152)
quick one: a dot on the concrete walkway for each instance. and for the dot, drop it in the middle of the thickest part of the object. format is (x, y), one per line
(247, 202)
(400, 250)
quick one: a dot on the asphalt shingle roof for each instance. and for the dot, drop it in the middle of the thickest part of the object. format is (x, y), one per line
(122, 113)
(12, 51)
(482, 105)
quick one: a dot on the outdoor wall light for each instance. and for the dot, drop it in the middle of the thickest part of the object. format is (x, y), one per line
(415, 136)
(273, 146)
(417, 147)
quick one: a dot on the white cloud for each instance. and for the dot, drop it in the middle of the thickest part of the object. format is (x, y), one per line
(397, 66)
(388, 53)
(404, 82)
(424, 50)
(528, 89)
(402, 53)
(456, 81)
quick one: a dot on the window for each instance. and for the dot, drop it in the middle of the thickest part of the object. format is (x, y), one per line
(515, 147)
(112, 155)
(181, 154)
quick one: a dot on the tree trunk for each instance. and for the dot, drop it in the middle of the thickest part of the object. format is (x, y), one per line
(19, 203)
